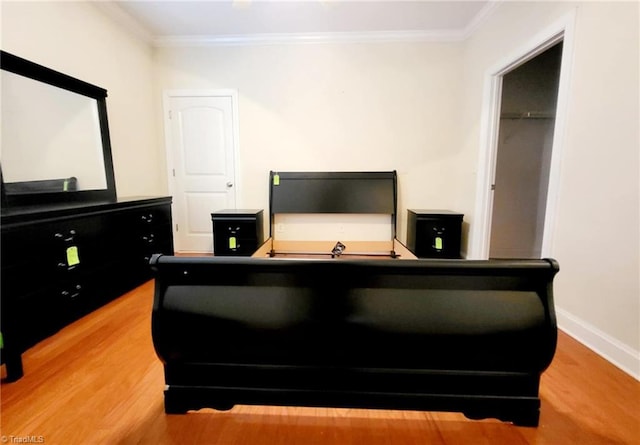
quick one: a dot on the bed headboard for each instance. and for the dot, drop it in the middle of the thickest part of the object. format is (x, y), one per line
(333, 192)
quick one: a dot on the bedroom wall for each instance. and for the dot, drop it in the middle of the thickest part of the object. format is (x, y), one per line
(77, 39)
(327, 106)
(596, 235)
(413, 107)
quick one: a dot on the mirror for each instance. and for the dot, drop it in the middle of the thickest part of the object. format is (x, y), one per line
(54, 139)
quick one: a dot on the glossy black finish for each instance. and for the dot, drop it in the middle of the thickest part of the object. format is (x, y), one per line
(333, 192)
(60, 262)
(468, 336)
(237, 232)
(26, 68)
(434, 233)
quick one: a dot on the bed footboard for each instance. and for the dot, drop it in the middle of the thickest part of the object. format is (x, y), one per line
(437, 335)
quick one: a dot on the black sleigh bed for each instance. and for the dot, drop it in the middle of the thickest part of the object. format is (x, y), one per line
(393, 333)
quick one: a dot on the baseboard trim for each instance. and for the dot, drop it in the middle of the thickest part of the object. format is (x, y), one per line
(611, 349)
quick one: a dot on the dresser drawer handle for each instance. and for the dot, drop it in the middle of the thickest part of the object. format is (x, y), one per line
(149, 238)
(65, 266)
(68, 238)
(73, 293)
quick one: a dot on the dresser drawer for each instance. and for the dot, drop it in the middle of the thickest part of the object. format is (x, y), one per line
(159, 215)
(61, 263)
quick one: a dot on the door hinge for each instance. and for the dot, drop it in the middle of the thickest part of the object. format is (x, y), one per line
(176, 227)
(170, 115)
(174, 172)
(493, 186)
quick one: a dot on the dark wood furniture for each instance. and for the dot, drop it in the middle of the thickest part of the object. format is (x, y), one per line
(335, 193)
(68, 244)
(434, 233)
(441, 335)
(435, 335)
(60, 262)
(237, 232)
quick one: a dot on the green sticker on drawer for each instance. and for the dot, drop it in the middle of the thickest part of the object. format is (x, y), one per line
(72, 256)
(438, 243)
(232, 242)
(276, 179)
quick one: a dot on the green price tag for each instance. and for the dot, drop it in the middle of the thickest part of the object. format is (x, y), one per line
(276, 179)
(72, 256)
(438, 243)
(232, 242)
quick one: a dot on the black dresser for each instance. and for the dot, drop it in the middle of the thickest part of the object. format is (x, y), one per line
(237, 232)
(60, 262)
(434, 233)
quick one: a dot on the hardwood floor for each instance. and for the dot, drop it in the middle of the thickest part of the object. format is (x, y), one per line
(98, 381)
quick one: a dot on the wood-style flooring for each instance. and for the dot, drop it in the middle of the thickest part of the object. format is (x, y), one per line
(98, 381)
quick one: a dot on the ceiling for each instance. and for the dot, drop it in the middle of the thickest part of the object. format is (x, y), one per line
(164, 21)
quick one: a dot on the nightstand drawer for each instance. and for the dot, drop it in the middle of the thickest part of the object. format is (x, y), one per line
(237, 232)
(434, 233)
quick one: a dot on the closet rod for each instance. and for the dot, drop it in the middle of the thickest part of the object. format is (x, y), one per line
(528, 115)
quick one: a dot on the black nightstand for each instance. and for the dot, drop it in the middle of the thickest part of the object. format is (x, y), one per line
(237, 232)
(434, 233)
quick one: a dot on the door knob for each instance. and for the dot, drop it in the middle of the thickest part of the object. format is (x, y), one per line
(229, 184)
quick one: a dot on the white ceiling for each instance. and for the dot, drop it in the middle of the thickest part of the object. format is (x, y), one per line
(165, 21)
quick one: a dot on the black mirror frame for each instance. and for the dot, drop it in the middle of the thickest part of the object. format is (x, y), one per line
(26, 68)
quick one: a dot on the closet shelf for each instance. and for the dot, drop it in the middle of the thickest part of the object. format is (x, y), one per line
(528, 115)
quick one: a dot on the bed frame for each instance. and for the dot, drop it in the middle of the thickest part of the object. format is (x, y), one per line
(437, 335)
(336, 193)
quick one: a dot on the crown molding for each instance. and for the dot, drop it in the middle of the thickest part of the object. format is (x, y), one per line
(310, 38)
(115, 13)
(479, 19)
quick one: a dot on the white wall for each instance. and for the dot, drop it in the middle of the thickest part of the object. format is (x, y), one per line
(356, 106)
(596, 235)
(411, 107)
(77, 39)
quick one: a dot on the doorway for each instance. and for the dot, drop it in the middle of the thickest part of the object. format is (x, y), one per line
(524, 146)
(202, 142)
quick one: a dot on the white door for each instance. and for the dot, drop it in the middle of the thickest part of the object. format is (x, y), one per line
(202, 141)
